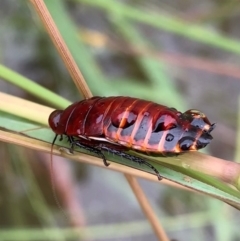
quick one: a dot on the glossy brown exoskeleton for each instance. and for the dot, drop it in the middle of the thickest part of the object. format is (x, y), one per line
(122, 123)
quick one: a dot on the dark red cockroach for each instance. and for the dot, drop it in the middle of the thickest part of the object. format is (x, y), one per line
(116, 124)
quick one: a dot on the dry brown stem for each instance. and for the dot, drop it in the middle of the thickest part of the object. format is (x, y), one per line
(83, 88)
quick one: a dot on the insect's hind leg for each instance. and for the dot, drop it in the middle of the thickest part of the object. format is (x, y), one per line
(131, 158)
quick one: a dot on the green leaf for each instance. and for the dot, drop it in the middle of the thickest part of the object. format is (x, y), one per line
(31, 87)
(188, 178)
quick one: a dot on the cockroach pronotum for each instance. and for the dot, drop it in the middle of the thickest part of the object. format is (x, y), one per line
(117, 124)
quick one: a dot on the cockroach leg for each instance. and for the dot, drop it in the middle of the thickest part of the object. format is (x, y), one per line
(72, 142)
(88, 148)
(94, 150)
(132, 158)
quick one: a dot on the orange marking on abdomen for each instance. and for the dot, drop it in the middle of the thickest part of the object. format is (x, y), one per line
(146, 139)
(123, 122)
(162, 142)
(138, 122)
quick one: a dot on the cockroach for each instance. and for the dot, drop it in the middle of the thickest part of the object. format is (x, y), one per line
(118, 124)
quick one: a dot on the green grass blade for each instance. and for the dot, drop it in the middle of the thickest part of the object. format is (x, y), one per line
(161, 86)
(198, 181)
(81, 54)
(32, 87)
(168, 23)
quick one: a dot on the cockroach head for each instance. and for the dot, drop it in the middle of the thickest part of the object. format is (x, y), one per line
(54, 120)
(199, 120)
(197, 130)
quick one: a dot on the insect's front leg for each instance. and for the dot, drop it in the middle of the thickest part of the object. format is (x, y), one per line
(72, 143)
(89, 146)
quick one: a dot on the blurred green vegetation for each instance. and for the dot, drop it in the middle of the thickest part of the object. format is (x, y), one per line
(25, 214)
